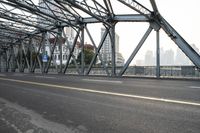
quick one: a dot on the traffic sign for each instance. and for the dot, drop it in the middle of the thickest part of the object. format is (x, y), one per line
(45, 58)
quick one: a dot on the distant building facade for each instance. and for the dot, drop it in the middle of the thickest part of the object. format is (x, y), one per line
(167, 57)
(106, 50)
(149, 59)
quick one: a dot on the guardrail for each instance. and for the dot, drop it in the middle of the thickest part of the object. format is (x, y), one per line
(139, 71)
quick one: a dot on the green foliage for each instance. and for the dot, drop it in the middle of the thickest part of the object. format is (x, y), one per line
(88, 56)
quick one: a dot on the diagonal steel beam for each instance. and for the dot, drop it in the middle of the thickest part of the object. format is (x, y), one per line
(135, 51)
(32, 9)
(181, 43)
(98, 50)
(72, 50)
(154, 6)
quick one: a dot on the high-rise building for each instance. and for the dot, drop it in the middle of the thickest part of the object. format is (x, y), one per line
(149, 58)
(106, 50)
(168, 57)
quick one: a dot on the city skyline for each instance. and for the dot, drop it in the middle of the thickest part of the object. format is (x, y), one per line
(168, 57)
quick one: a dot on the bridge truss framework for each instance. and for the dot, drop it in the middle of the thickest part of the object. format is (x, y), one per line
(23, 34)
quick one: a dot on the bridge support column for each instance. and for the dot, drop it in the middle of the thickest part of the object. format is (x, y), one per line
(20, 58)
(82, 52)
(7, 60)
(12, 60)
(44, 51)
(157, 54)
(112, 38)
(60, 44)
(0, 62)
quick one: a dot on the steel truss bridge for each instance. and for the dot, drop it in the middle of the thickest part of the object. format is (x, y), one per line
(25, 27)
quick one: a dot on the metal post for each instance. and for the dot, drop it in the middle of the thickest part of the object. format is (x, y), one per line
(4, 60)
(12, 59)
(15, 57)
(7, 60)
(112, 39)
(0, 61)
(60, 44)
(20, 58)
(44, 51)
(31, 54)
(157, 54)
(82, 52)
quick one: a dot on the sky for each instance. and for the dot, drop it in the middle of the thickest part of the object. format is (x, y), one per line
(184, 16)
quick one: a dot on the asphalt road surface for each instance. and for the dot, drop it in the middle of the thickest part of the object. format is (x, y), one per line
(34, 103)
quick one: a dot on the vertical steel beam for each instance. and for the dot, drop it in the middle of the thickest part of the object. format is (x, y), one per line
(12, 59)
(3, 61)
(0, 61)
(113, 59)
(157, 54)
(20, 58)
(15, 57)
(82, 52)
(44, 51)
(7, 60)
(9, 56)
(31, 53)
(135, 51)
(60, 44)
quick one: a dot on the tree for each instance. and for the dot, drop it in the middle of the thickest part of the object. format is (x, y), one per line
(88, 56)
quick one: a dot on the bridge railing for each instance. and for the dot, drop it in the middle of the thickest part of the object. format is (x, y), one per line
(132, 71)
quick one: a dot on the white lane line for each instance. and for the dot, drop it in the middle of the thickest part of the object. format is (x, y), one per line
(105, 92)
(103, 81)
(194, 87)
(47, 77)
